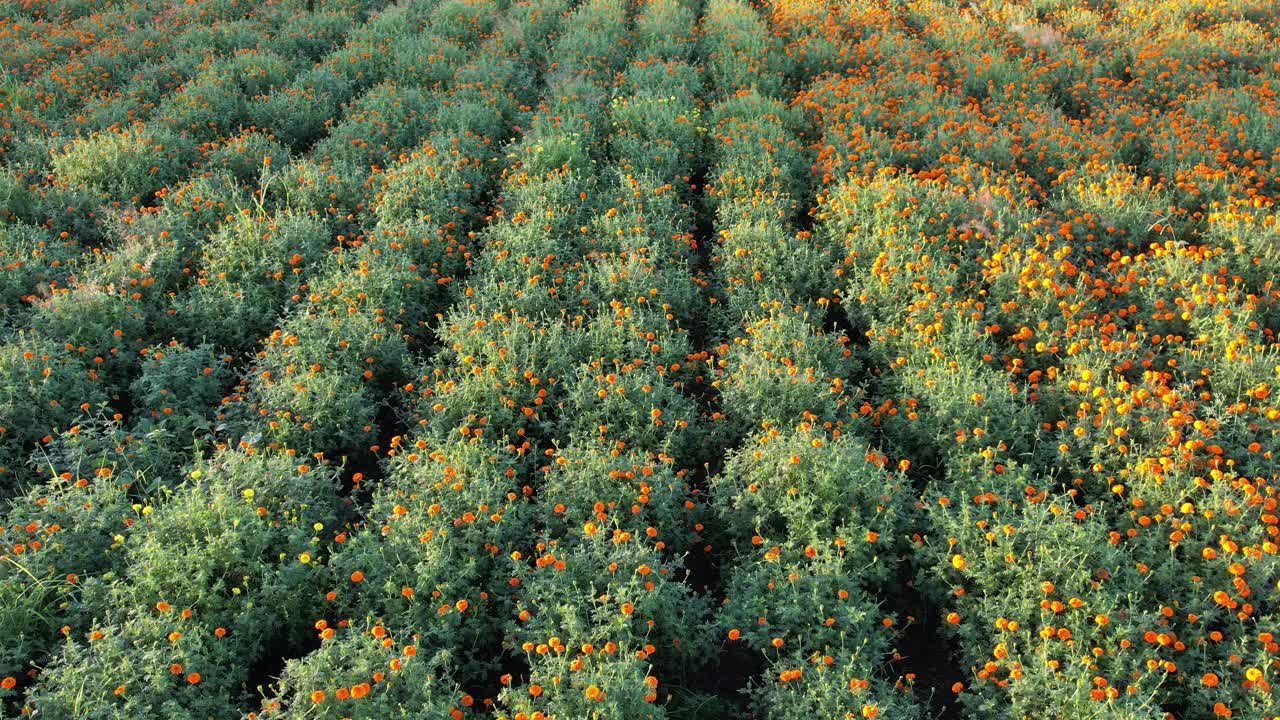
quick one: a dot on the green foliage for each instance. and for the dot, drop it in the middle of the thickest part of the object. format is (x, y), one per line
(180, 387)
(41, 392)
(359, 675)
(123, 166)
(31, 260)
(783, 370)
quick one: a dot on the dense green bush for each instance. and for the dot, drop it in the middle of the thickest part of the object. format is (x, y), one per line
(781, 370)
(445, 517)
(125, 165)
(31, 260)
(615, 488)
(42, 391)
(365, 672)
(180, 387)
(805, 489)
(144, 662)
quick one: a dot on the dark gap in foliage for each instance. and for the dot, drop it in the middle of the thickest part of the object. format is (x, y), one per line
(277, 650)
(923, 650)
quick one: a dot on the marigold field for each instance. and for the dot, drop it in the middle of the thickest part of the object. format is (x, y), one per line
(639, 359)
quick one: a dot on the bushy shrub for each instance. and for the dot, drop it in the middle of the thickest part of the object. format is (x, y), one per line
(741, 52)
(667, 29)
(311, 35)
(442, 178)
(42, 389)
(498, 375)
(125, 165)
(248, 157)
(311, 382)
(60, 537)
(319, 93)
(144, 459)
(759, 168)
(104, 328)
(179, 387)
(226, 546)
(761, 261)
(378, 127)
(608, 683)
(604, 585)
(782, 370)
(634, 406)
(441, 524)
(593, 41)
(784, 603)
(425, 60)
(366, 671)
(806, 489)
(465, 21)
(656, 132)
(31, 259)
(844, 683)
(612, 488)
